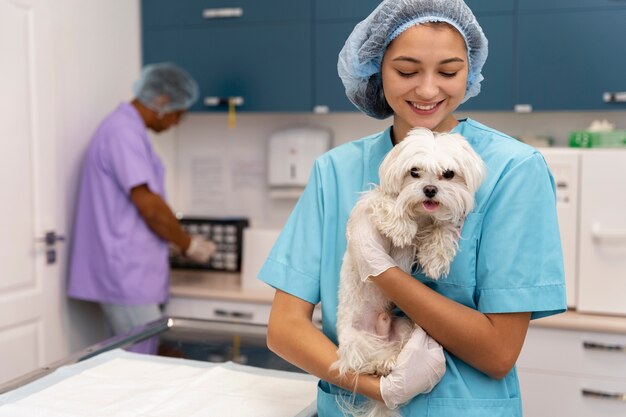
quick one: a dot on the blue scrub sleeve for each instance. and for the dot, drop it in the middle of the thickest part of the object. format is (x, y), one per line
(127, 161)
(294, 263)
(520, 261)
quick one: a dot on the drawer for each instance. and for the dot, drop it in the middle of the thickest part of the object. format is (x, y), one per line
(565, 351)
(163, 13)
(227, 311)
(231, 311)
(547, 394)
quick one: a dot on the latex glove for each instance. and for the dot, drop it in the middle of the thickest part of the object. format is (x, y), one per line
(420, 366)
(367, 247)
(200, 249)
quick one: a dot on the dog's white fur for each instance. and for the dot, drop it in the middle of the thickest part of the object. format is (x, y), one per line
(420, 207)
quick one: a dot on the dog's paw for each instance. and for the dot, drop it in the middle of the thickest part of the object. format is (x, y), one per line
(384, 368)
(434, 266)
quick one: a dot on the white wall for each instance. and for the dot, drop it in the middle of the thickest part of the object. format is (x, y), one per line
(98, 58)
(206, 138)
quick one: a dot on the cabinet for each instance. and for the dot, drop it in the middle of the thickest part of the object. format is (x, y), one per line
(259, 52)
(172, 13)
(572, 373)
(564, 164)
(568, 57)
(525, 5)
(344, 9)
(591, 197)
(334, 20)
(496, 89)
(488, 6)
(602, 233)
(329, 92)
(281, 56)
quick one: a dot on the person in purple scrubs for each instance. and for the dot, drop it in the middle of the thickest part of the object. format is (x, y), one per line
(123, 225)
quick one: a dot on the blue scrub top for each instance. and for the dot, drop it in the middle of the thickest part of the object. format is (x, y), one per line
(509, 257)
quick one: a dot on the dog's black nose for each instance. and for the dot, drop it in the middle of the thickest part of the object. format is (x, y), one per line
(430, 191)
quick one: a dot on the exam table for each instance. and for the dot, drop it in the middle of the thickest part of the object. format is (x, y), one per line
(197, 377)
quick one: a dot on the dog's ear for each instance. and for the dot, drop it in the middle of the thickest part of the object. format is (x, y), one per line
(391, 173)
(391, 219)
(472, 165)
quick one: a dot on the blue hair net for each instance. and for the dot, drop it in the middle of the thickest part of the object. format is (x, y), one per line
(166, 79)
(361, 57)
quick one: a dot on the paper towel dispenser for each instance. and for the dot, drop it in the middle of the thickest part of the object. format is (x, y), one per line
(292, 153)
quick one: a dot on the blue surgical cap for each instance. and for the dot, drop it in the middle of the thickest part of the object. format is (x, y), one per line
(361, 57)
(166, 79)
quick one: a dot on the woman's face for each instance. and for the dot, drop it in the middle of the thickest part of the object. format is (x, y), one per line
(424, 74)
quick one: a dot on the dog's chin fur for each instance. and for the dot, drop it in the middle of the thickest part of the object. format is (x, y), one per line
(422, 230)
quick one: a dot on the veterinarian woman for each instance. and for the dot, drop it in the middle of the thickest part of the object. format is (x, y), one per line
(418, 60)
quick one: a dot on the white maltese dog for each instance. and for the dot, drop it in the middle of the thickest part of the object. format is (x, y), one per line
(427, 186)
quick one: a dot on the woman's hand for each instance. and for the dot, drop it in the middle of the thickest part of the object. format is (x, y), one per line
(420, 366)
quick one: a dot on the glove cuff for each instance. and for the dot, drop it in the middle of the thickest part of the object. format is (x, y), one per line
(193, 246)
(389, 403)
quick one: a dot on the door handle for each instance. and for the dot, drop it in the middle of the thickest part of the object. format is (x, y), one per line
(603, 346)
(607, 236)
(616, 396)
(50, 239)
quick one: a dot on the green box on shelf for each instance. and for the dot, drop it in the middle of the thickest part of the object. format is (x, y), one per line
(585, 139)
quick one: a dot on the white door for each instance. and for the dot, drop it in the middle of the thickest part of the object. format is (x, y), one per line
(30, 288)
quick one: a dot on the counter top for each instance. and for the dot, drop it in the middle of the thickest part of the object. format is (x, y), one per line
(573, 320)
(227, 286)
(215, 285)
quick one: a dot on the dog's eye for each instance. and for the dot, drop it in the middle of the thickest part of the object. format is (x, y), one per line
(447, 174)
(414, 173)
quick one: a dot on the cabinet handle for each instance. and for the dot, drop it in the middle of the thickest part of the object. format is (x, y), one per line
(222, 13)
(603, 346)
(614, 97)
(603, 395)
(523, 108)
(217, 101)
(241, 315)
(606, 236)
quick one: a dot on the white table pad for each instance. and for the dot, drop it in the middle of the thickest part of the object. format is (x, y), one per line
(124, 384)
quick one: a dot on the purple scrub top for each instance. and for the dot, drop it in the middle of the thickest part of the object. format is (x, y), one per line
(116, 258)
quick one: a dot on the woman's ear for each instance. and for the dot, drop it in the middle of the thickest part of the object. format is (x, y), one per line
(391, 219)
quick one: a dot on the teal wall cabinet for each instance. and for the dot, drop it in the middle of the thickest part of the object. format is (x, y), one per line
(570, 54)
(497, 89)
(281, 55)
(333, 23)
(258, 52)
